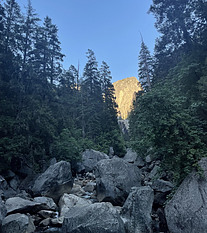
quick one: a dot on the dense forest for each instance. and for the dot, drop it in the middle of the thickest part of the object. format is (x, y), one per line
(45, 110)
(169, 117)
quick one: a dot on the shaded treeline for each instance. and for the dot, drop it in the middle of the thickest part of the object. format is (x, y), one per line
(169, 119)
(45, 110)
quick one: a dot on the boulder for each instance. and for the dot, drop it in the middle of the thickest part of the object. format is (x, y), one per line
(130, 156)
(47, 214)
(114, 180)
(187, 210)
(154, 173)
(162, 186)
(47, 201)
(98, 217)
(67, 201)
(57, 222)
(55, 181)
(20, 205)
(90, 187)
(137, 209)
(18, 223)
(111, 152)
(90, 158)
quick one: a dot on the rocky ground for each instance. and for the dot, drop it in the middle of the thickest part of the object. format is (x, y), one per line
(108, 195)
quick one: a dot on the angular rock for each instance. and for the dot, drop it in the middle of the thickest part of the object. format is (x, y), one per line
(90, 158)
(18, 223)
(154, 172)
(148, 159)
(47, 201)
(46, 222)
(114, 180)
(2, 212)
(111, 152)
(57, 222)
(20, 205)
(98, 217)
(90, 186)
(47, 213)
(162, 186)
(137, 209)
(187, 210)
(67, 201)
(130, 156)
(3, 183)
(14, 183)
(55, 181)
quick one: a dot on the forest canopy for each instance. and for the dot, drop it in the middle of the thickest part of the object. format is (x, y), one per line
(45, 110)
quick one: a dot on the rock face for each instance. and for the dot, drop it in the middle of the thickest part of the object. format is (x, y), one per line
(114, 179)
(90, 158)
(18, 223)
(67, 201)
(137, 209)
(125, 90)
(20, 205)
(55, 181)
(98, 217)
(187, 210)
(2, 212)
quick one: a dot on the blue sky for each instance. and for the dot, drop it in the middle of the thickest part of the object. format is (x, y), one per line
(111, 28)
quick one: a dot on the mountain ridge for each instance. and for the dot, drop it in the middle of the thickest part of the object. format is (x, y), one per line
(125, 90)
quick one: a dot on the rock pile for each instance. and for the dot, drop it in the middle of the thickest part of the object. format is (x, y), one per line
(111, 195)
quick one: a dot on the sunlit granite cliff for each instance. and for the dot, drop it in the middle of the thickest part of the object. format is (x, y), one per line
(125, 93)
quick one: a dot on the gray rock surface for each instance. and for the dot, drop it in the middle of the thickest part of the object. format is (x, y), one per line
(98, 217)
(67, 201)
(47, 201)
(186, 212)
(130, 156)
(90, 158)
(137, 209)
(162, 186)
(20, 205)
(114, 179)
(55, 181)
(2, 212)
(18, 223)
(154, 173)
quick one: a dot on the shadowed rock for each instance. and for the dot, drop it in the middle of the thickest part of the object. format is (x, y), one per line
(55, 181)
(114, 179)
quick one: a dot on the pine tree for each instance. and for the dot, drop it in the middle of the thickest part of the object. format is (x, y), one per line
(145, 71)
(110, 133)
(29, 28)
(12, 26)
(47, 52)
(92, 97)
(182, 25)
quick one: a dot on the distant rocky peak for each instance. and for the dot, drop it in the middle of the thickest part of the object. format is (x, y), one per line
(125, 91)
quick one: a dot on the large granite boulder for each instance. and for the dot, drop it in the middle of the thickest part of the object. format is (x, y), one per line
(46, 201)
(20, 205)
(137, 209)
(55, 181)
(90, 158)
(187, 210)
(130, 156)
(18, 223)
(67, 201)
(98, 217)
(114, 179)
